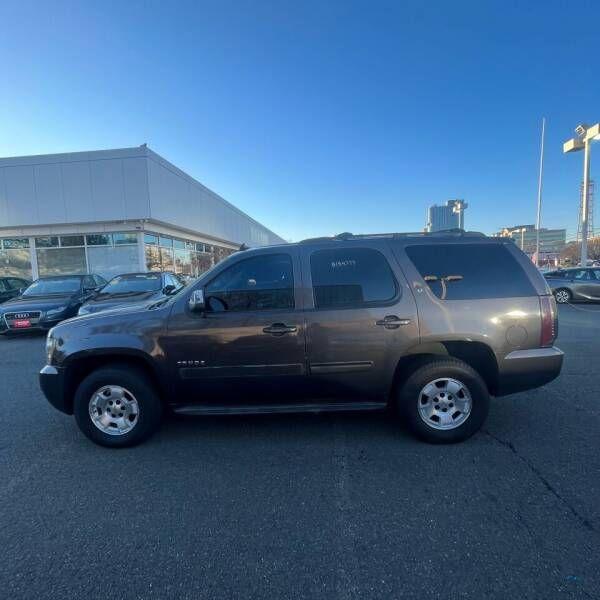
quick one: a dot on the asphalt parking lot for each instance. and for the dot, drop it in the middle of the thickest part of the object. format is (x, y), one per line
(343, 506)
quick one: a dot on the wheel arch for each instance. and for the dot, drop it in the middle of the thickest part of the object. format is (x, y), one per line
(79, 367)
(477, 355)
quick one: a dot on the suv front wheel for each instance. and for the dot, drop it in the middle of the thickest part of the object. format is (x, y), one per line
(444, 401)
(116, 406)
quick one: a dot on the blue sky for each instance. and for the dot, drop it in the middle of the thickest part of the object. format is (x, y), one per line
(318, 117)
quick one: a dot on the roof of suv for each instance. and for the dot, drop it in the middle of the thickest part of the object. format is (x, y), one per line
(447, 233)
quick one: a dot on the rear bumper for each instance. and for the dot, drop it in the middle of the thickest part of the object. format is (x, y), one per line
(52, 382)
(527, 369)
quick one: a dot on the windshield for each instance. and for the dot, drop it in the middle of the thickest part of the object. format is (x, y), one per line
(59, 285)
(135, 283)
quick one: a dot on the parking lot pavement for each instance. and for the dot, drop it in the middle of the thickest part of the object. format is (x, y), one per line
(344, 506)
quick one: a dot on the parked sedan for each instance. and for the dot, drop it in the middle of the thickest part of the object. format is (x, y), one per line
(47, 301)
(10, 287)
(132, 288)
(580, 284)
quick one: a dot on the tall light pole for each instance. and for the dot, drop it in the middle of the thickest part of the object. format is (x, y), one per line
(583, 142)
(538, 222)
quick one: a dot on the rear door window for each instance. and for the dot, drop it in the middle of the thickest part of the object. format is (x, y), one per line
(581, 275)
(470, 271)
(351, 278)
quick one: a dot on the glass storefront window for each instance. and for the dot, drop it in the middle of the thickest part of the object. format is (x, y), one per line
(152, 258)
(71, 240)
(165, 242)
(46, 242)
(124, 238)
(149, 238)
(15, 263)
(108, 262)
(99, 239)
(200, 263)
(179, 244)
(166, 259)
(15, 243)
(183, 262)
(61, 261)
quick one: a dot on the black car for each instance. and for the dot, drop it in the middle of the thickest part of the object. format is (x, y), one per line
(11, 286)
(47, 301)
(132, 288)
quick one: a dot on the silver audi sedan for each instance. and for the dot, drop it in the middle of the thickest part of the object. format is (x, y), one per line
(579, 284)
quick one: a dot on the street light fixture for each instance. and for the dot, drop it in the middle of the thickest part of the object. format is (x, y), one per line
(522, 231)
(583, 142)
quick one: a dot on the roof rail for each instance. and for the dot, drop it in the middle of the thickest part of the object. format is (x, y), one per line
(361, 236)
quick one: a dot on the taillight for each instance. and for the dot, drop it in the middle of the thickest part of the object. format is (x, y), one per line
(549, 321)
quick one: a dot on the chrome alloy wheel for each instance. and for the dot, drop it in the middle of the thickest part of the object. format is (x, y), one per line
(114, 410)
(562, 296)
(444, 403)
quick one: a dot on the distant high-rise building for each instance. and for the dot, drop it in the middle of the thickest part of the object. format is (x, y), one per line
(448, 216)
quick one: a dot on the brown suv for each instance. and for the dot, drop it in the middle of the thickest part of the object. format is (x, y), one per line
(430, 324)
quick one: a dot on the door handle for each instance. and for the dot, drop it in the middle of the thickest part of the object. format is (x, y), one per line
(279, 329)
(392, 322)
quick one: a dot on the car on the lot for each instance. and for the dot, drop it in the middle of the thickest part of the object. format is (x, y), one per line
(47, 301)
(431, 324)
(132, 288)
(578, 284)
(10, 287)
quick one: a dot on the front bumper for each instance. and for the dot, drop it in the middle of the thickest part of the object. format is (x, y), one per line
(40, 326)
(52, 382)
(528, 369)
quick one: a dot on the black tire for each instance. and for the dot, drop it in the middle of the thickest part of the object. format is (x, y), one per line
(566, 296)
(408, 400)
(139, 385)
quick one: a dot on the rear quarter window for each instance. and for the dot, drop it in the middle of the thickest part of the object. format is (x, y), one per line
(485, 270)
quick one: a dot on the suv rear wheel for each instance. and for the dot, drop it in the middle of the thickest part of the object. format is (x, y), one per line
(117, 406)
(444, 401)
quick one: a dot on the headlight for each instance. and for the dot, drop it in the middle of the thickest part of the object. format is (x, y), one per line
(51, 345)
(54, 312)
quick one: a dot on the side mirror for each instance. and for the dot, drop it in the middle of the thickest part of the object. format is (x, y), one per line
(21, 290)
(196, 301)
(169, 289)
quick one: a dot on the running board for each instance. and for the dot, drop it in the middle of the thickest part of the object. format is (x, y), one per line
(195, 409)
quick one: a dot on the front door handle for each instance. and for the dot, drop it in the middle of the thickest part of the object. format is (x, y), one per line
(278, 329)
(392, 322)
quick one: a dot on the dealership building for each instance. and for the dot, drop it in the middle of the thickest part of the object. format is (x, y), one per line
(112, 212)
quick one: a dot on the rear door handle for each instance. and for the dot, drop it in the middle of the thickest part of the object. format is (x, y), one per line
(278, 329)
(392, 322)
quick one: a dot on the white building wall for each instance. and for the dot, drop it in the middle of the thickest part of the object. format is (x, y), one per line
(80, 187)
(130, 184)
